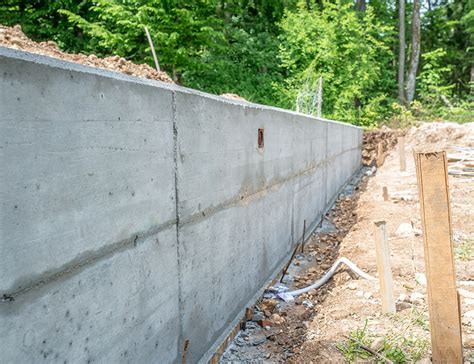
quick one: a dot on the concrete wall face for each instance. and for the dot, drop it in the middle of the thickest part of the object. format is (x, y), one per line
(235, 208)
(135, 215)
(81, 170)
(87, 211)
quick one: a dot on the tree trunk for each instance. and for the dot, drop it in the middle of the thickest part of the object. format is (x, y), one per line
(472, 77)
(360, 5)
(401, 52)
(415, 51)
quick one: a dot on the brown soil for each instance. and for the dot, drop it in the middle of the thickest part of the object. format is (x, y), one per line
(371, 140)
(13, 37)
(233, 96)
(301, 334)
(351, 303)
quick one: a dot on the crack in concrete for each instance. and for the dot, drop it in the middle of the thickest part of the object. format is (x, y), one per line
(178, 225)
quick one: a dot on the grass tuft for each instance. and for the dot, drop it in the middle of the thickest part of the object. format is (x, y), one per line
(464, 250)
(397, 348)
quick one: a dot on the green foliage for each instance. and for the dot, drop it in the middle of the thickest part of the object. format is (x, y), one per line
(467, 20)
(181, 32)
(351, 52)
(268, 51)
(449, 26)
(401, 116)
(244, 61)
(404, 117)
(464, 250)
(462, 112)
(227, 53)
(432, 77)
(351, 349)
(42, 21)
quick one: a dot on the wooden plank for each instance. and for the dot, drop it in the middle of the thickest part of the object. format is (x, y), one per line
(385, 193)
(443, 305)
(223, 346)
(384, 267)
(248, 314)
(401, 152)
(380, 155)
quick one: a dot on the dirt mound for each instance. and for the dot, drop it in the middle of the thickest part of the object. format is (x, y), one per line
(371, 139)
(233, 96)
(13, 37)
(442, 135)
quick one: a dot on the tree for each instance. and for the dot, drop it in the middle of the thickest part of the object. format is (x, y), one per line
(401, 52)
(41, 20)
(415, 51)
(360, 5)
(268, 51)
(467, 21)
(352, 52)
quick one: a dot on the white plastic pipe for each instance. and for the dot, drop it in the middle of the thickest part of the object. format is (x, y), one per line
(328, 276)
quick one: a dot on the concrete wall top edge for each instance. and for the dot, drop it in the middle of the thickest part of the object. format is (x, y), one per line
(76, 67)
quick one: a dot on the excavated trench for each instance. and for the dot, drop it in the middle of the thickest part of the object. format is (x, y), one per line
(274, 330)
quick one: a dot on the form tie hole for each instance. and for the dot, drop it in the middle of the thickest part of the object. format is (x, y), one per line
(260, 139)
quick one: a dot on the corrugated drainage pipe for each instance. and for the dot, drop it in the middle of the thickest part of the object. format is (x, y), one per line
(327, 277)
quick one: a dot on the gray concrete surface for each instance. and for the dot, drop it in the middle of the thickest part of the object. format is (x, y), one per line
(137, 215)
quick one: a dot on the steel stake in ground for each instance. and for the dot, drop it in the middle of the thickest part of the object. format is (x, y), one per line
(288, 265)
(304, 233)
(152, 47)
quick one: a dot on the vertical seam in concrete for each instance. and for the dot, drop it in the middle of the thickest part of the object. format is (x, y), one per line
(293, 186)
(326, 168)
(178, 244)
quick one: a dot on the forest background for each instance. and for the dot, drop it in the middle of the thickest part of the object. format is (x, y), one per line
(379, 61)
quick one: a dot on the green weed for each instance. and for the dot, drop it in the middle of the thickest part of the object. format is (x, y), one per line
(351, 349)
(464, 250)
(396, 347)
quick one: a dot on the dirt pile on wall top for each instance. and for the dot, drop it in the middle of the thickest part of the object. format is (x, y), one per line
(13, 37)
(234, 97)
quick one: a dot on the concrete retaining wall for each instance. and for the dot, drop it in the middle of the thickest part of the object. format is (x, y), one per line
(137, 215)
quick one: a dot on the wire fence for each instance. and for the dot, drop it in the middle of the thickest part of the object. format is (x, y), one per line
(310, 101)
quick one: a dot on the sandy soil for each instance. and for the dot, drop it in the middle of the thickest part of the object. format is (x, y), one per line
(297, 332)
(352, 303)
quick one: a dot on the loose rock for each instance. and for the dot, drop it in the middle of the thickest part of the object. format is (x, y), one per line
(404, 230)
(352, 286)
(377, 344)
(277, 319)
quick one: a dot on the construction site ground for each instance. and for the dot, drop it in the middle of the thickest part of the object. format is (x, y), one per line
(330, 323)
